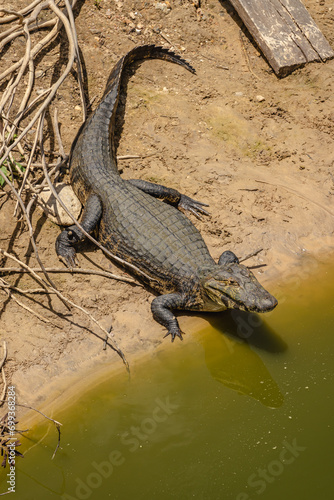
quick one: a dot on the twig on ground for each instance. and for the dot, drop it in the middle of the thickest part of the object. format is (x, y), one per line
(76, 270)
(135, 157)
(78, 61)
(294, 191)
(243, 45)
(106, 339)
(257, 267)
(166, 39)
(58, 136)
(2, 363)
(251, 255)
(129, 157)
(6, 289)
(4, 284)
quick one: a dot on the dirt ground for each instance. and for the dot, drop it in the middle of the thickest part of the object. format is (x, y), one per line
(258, 149)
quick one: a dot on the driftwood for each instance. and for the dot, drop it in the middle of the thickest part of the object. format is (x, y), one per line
(285, 32)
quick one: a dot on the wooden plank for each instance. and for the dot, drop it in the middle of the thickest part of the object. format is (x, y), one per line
(309, 28)
(285, 32)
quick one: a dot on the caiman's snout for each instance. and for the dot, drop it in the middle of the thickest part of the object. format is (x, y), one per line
(253, 297)
(270, 303)
(265, 304)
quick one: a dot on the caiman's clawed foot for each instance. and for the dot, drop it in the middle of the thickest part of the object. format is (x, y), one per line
(72, 235)
(193, 206)
(174, 332)
(64, 248)
(162, 312)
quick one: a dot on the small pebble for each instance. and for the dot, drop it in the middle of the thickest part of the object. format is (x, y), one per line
(162, 6)
(239, 94)
(260, 98)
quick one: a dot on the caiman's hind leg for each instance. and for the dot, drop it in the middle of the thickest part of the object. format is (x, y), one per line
(161, 308)
(171, 196)
(72, 235)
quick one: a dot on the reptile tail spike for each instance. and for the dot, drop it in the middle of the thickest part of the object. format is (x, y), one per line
(156, 52)
(140, 53)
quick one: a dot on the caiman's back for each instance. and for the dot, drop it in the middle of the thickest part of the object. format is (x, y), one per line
(142, 230)
(156, 237)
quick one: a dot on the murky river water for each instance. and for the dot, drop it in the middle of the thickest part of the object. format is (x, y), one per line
(242, 411)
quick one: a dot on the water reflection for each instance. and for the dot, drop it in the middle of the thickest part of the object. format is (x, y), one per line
(249, 326)
(233, 363)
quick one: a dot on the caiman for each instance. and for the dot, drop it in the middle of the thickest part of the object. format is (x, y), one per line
(144, 224)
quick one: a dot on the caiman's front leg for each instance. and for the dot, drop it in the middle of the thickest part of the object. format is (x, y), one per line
(72, 235)
(161, 309)
(171, 196)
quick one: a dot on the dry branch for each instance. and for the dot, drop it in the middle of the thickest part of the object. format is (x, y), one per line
(77, 270)
(9, 293)
(16, 104)
(2, 363)
(251, 255)
(57, 424)
(113, 342)
(26, 10)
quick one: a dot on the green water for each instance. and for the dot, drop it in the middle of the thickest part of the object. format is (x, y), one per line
(216, 417)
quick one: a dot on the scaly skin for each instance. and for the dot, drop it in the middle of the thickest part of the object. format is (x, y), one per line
(144, 224)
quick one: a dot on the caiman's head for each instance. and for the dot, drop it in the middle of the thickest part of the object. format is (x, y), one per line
(230, 285)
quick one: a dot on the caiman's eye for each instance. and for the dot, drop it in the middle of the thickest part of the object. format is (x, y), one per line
(233, 282)
(230, 282)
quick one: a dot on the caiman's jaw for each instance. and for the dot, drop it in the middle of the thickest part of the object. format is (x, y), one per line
(233, 286)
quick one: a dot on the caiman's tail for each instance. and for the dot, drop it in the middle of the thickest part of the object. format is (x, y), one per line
(96, 136)
(139, 53)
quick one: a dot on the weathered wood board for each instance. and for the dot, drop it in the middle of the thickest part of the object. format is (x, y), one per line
(285, 32)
